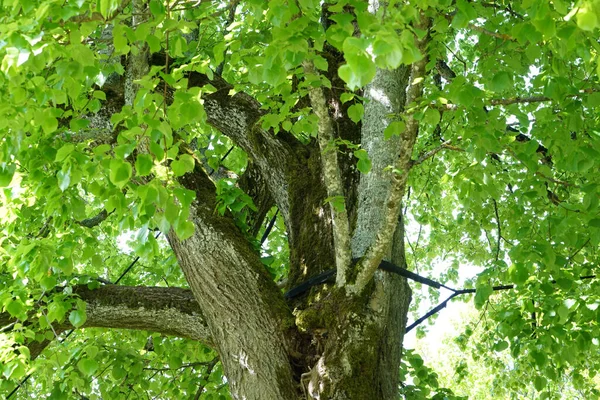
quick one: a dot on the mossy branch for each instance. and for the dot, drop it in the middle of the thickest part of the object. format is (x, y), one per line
(333, 179)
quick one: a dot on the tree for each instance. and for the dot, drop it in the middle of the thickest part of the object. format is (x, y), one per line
(477, 121)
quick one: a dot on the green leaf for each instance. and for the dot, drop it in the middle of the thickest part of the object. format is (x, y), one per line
(364, 163)
(388, 52)
(157, 8)
(120, 172)
(64, 179)
(502, 81)
(540, 358)
(64, 152)
(185, 196)
(432, 116)
(395, 128)
(184, 230)
(346, 97)
(587, 19)
(16, 308)
(539, 383)
(359, 69)
(77, 318)
(172, 211)
(49, 123)
(48, 283)
(143, 164)
(501, 345)
(482, 295)
(337, 202)
(356, 112)
(356, 77)
(157, 150)
(87, 366)
(563, 313)
(7, 171)
(183, 165)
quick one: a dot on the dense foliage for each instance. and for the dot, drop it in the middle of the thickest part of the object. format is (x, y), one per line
(504, 174)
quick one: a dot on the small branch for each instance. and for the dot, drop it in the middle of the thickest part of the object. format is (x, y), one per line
(95, 220)
(333, 180)
(425, 156)
(183, 366)
(205, 376)
(521, 100)
(579, 249)
(502, 8)
(499, 228)
(557, 181)
(502, 36)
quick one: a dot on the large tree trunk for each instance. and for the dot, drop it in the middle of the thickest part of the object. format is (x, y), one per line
(362, 353)
(244, 310)
(329, 343)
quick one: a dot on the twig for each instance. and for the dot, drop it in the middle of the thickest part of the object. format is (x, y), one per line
(557, 181)
(579, 249)
(205, 377)
(502, 36)
(522, 100)
(505, 9)
(431, 153)
(499, 228)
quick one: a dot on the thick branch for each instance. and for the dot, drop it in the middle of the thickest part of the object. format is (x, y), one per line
(333, 180)
(170, 311)
(238, 118)
(245, 311)
(385, 232)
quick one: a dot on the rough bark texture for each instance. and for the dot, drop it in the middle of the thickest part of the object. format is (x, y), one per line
(362, 355)
(335, 342)
(244, 309)
(386, 96)
(170, 311)
(378, 249)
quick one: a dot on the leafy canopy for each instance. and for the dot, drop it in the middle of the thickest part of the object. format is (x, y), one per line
(520, 202)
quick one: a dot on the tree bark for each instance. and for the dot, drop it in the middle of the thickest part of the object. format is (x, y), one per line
(170, 311)
(362, 355)
(244, 310)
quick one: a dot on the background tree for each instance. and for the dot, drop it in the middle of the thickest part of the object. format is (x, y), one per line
(338, 121)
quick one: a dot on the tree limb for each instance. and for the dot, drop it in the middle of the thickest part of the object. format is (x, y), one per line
(425, 156)
(379, 247)
(95, 220)
(170, 311)
(333, 180)
(237, 117)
